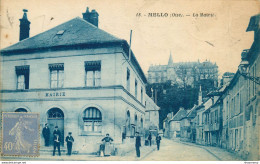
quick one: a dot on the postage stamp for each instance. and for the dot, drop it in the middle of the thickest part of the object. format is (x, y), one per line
(20, 134)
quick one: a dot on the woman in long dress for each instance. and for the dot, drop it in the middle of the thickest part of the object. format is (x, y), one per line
(107, 141)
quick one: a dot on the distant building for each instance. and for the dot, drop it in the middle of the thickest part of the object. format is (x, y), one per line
(175, 123)
(187, 126)
(151, 115)
(184, 73)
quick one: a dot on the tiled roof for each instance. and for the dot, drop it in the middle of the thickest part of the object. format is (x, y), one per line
(179, 115)
(74, 32)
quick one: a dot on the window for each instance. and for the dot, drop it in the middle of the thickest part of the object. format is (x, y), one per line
(142, 95)
(56, 75)
(22, 73)
(93, 73)
(55, 113)
(20, 110)
(136, 86)
(92, 120)
(128, 79)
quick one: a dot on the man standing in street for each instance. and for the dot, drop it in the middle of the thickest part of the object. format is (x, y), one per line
(137, 144)
(56, 144)
(158, 140)
(69, 140)
(46, 134)
(150, 139)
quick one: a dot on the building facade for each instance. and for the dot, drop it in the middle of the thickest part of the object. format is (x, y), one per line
(229, 118)
(79, 78)
(151, 115)
(184, 73)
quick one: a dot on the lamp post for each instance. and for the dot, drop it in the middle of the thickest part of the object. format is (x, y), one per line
(243, 69)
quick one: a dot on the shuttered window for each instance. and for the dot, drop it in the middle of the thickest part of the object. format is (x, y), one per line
(22, 73)
(93, 73)
(56, 75)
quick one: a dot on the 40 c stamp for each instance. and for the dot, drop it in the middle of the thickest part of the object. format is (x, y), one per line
(20, 134)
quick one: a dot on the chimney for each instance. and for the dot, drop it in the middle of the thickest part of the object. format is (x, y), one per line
(91, 17)
(24, 26)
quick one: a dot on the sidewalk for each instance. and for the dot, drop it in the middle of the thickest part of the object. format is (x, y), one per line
(47, 156)
(221, 154)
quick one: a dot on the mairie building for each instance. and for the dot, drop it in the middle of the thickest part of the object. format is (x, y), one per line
(79, 78)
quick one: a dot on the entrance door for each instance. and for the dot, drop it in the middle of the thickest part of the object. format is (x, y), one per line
(56, 118)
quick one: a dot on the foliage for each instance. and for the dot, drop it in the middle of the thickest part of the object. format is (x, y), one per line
(171, 97)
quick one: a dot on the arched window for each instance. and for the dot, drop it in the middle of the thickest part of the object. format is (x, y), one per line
(55, 113)
(21, 110)
(92, 120)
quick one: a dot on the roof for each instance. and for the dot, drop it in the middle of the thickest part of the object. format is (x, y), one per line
(253, 23)
(199, 65)
(193, 112)
(179, 115)
(73, 32)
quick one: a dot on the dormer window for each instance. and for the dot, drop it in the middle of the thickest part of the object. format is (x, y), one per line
(60, 32)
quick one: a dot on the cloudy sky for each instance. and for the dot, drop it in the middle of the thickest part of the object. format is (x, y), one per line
(220, 38)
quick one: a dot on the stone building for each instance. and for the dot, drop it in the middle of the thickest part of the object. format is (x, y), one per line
(184, 73)
(252, 112)
(79, 78)
(151, 115)
(175, 123)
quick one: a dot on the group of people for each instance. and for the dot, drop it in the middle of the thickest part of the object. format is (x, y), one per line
(158, 140)
(105, 148)
(57, 139)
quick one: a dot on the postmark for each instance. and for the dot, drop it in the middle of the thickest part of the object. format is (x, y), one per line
(20, 134)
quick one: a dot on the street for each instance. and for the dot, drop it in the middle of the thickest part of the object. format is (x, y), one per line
(169, 151)
(173, 151)
(176, 151)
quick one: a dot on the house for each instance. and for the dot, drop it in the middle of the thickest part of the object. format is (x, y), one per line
(151, 115)
(252, 113)
(77, 77)
(187, 125)
(174, 123)
(166, 125)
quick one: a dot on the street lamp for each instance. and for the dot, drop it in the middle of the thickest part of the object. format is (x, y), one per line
(243, 70)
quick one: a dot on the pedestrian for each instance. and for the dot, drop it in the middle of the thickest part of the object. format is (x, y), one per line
(57, 131)
(46, 134)
(150, 139)
(158, 140)
(107, 142)
(138, 144)
(69, 140)
(56, 143)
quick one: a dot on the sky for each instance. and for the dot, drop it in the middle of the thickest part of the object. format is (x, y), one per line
(220, 38)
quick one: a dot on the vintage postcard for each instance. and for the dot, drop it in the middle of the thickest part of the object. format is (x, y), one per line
(141, 80)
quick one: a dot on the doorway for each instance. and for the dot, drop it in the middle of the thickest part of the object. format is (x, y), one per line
(56, 118)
